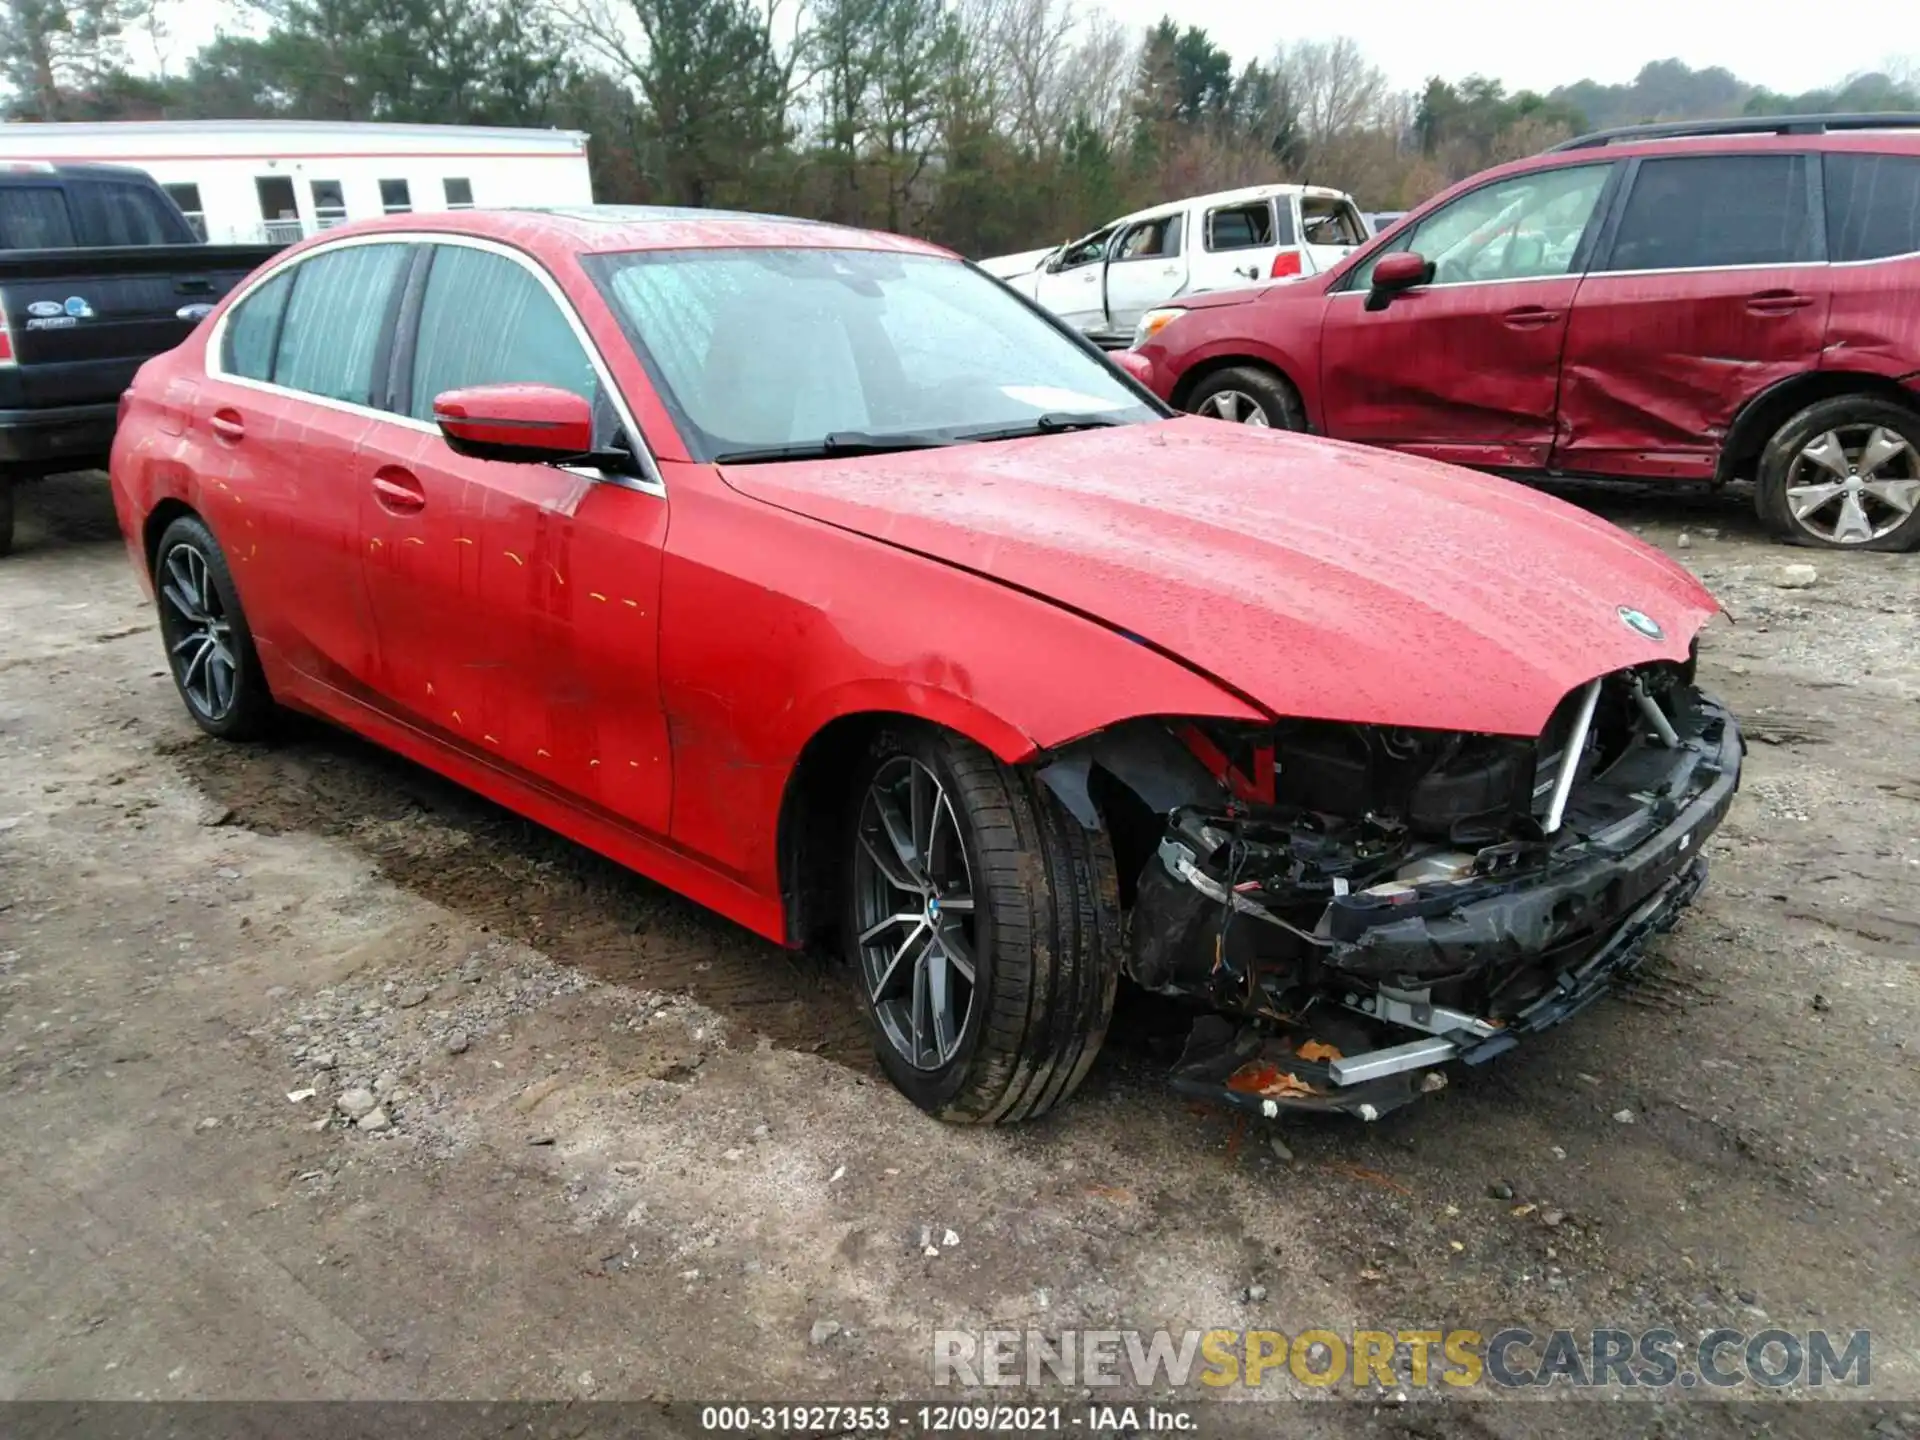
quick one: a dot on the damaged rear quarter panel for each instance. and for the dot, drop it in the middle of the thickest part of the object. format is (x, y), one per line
(774, 625)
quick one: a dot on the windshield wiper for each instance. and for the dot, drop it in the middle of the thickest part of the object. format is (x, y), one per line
(1054, 422)
(838, 442)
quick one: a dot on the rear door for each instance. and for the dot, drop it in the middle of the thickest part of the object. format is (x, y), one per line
(515, 604)
(1147, 267)
(1465, 368)
(1239, 243)
(1711, 286)
(295, 377)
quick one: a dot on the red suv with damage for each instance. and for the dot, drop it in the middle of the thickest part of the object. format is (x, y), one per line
(1707, 301)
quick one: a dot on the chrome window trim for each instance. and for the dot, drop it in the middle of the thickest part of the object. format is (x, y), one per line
(651, 482)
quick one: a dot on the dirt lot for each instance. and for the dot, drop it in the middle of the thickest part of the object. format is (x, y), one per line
(634, 1152)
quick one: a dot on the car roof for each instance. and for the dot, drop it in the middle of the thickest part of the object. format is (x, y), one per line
(45, 169)
(612, 229)
(1243, 195)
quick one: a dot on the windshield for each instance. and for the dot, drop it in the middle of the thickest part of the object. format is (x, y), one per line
(758, 350)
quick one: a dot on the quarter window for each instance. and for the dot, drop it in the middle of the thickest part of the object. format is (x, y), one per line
(485, 320)
(1240, 227)
(253, 329)
(1873, 206)
(335, 320)
(1705, 211)
(1331, 222)
(1151, 240)
(1518, 229)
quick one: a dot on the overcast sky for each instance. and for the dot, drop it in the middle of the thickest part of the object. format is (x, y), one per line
(1786, 45)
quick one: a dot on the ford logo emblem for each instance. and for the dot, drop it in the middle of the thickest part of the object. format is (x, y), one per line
(45, 309)
(1641, 623)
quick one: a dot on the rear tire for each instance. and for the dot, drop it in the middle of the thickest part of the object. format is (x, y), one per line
(1249, 395)
(1837, 476)
(210, 650)
(1032, 905)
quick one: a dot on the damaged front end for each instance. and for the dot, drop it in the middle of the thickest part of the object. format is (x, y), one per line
(1359, 905)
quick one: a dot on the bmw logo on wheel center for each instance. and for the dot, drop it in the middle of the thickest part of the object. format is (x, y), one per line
(1640, 621)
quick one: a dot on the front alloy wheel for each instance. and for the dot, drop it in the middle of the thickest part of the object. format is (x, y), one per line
(983, 922)
(914, 905)
(1235, 407)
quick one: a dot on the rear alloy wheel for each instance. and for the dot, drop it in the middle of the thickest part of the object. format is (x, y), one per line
(209, 648)
(1844, 474)
(984, 927)
(1246, 395)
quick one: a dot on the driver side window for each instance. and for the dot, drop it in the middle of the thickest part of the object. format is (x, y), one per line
(1085, 252)
(1517, 229)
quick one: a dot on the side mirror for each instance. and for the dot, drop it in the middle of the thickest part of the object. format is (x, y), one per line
(1394, 273)
(535, 424)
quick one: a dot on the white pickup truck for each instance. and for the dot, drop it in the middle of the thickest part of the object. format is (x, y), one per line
(1104, 282)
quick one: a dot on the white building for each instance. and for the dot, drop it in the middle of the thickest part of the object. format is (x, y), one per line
(251, 180)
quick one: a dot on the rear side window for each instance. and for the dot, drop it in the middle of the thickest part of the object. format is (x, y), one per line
(1704, 211)
(34, 217)
(112, 212)
(335, 320)
(1873, 206)
(1240, 227)
(485, 320)
(253, 329)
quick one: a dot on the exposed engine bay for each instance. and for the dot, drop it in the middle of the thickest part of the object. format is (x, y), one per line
(1360, 904)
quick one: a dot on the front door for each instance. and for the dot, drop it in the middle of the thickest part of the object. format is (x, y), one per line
(515, 604)
(1070, 285)
(1714, 287)
(1466, 368)
(1148, 268)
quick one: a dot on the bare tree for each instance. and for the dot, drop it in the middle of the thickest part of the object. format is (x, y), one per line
(1334, 91)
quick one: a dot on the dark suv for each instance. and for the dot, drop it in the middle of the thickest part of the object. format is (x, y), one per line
(1703, 301)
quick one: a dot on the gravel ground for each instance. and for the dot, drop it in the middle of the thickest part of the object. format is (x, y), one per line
(321, 1078)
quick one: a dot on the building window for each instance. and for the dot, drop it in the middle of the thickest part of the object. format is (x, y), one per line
(278, 209)
(187, 197)
(329, 203)
(459, 194)
(394, 197)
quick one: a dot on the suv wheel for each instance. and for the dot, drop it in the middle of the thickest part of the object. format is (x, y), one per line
(1844, 474)
(209, 647)
(1247, 395)
(983, 926)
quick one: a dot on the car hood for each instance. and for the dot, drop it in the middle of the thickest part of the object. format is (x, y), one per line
(1315, 578)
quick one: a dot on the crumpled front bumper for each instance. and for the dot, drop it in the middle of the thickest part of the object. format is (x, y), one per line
(1588, 894)
(1621, 895)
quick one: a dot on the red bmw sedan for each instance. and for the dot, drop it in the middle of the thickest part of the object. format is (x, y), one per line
(817, 576)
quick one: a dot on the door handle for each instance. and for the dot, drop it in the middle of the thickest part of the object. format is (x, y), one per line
(397, 490)
(1777, 302)
(226, 425)
(1530, 317)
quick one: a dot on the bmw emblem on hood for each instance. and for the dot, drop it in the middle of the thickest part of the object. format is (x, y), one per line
(1641, 623)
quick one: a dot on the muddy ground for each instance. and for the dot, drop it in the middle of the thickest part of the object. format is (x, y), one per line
(634, 1152)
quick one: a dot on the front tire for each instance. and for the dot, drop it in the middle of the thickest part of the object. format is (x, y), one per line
(983, 927)
(1844, 474)
(209, 647)
(1248, 395)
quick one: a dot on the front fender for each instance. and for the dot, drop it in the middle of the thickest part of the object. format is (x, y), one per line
(773, 626)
